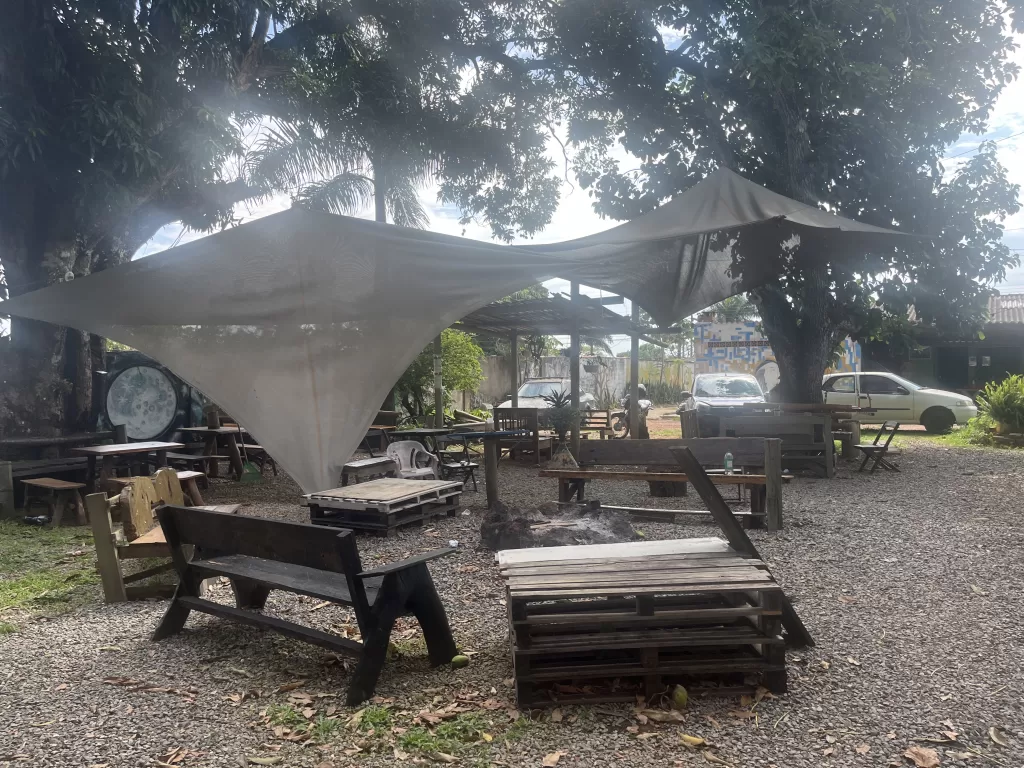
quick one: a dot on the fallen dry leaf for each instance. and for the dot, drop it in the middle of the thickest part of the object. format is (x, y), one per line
(978, 590)
(830, 739)
(848, 599)
(711, 757)
(265, 760)
(997, 736)
(853, 661)
(825, 665)
(741, 714)
(961, 755)
(863, 749)
(552, 759)
(828, 751)
(442, 757)
(662, 716)
(556, 716)
(922, 757)
(290, 686)
(692, 741)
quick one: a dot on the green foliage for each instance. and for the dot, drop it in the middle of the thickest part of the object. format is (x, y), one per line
(461, 370)
(1003, 403)
(663, 393)
(460, 736)
(560, 413)
(979, 431)
(7, 628)
(42, 566)
(734, 309)
(832, 104)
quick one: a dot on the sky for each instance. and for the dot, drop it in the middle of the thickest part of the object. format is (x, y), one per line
(575, 216)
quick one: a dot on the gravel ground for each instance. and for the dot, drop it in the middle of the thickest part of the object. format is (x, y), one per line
(911, 583)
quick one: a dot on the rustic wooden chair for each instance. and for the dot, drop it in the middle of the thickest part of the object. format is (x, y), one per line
(138, 536)
(880, 451)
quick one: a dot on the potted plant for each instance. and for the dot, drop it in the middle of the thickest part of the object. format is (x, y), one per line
(561, 416)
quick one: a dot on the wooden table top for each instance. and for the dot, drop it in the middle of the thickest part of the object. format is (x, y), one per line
(119, 449)
(390, 489)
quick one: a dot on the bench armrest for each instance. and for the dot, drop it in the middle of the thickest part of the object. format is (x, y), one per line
(409, 562)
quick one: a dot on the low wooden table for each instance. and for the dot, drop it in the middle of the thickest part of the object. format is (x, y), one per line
(59, 493)
(224, 436)
(108, 453)
(610, 622)
(381, 506)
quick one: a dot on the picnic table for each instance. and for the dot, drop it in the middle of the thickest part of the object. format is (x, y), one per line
(109, 453)
(224, 436)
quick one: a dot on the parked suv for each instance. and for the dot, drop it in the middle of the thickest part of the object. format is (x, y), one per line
(896, 398)
(714, 395)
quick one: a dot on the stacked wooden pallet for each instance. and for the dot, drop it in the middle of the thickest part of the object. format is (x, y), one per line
(381, 506)
(610, 622)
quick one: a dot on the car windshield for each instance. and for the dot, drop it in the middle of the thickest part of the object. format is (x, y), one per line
(539, 388)
(726, 386)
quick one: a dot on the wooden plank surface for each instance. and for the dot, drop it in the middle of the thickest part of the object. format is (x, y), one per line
(216, 431)
(53, 484)
(119, 449)
(387, 489)
(632, 549)
(746, 451)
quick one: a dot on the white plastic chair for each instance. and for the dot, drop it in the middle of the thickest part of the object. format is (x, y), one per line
(414, 461)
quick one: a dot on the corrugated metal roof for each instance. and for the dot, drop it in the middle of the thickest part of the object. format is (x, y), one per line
(1007, 309)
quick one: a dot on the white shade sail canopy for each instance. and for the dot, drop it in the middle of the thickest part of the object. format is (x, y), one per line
(297, 324)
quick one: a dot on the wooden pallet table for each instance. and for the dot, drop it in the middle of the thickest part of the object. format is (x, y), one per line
(381, 506)
(609, 622)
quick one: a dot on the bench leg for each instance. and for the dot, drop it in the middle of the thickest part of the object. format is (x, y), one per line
(177, 614)
(192, 489)
(375, 653)
(249, 594)
(867, 458)
(425, 604)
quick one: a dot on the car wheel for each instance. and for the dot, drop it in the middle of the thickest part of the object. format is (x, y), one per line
(938, 420)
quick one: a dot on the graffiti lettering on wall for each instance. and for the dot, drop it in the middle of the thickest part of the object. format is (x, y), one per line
(741, 348)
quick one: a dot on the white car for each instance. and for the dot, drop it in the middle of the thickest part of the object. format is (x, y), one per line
(533, 392)
(894, 398)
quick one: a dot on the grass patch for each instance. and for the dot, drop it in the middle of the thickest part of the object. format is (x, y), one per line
(6, 628)
(518, 729)
(461, 736)
(375, 718)
(320, 729)
(43, 567)
(285, 714)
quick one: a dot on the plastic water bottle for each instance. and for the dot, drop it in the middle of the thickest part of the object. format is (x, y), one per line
(728, 462)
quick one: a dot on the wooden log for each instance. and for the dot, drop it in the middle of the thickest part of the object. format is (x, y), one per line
(773, 483)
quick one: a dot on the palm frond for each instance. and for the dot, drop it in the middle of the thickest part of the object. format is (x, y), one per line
(346, 193)
(404, 205)
(289, 155)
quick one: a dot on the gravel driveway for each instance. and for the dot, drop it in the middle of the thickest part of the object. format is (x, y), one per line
(911, 583)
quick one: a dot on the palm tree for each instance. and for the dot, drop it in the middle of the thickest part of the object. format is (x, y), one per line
(734, 309)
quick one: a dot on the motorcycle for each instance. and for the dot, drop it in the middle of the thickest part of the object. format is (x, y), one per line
(621, 427)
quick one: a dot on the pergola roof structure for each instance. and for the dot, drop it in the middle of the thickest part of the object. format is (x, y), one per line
(549, 316)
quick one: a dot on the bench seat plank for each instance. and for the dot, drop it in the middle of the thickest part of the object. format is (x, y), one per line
(667, 477)
(294, 578)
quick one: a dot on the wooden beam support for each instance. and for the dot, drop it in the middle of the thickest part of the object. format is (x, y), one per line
(514, 339)
(574, 370)
(773, 484)
(438, 385)
(634, 378)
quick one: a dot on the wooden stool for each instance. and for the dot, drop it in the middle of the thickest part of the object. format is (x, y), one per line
(188, 479)
(60, 492)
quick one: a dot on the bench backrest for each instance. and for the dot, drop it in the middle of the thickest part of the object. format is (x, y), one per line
(710, 452)
(596, 420)
(278, 540)
(516, 419)
(794, 429)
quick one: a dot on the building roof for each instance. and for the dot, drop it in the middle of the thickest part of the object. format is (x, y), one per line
(1007, 309)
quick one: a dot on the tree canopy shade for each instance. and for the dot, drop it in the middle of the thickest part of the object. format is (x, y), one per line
(298, 323)
(847, 106)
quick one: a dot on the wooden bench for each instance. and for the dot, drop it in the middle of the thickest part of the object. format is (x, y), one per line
(368, 469)
(259, 555)
(523, 419)
(597, 421)
(806, 437)
(60, 493)
(662, 470)
(196, 462)
(138, 536)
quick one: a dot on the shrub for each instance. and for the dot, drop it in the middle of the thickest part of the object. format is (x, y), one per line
(1003, 402)
(561, 415)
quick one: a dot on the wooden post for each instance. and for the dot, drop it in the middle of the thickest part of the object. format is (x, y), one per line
(830, 446)
(854, 436)
(6, 490)
(491, 449)
(515, 369)
(438, 385)
(574, 370)
(634, 378)
(773, 483)
(120, 434)
(689, 424)
(106, 550)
